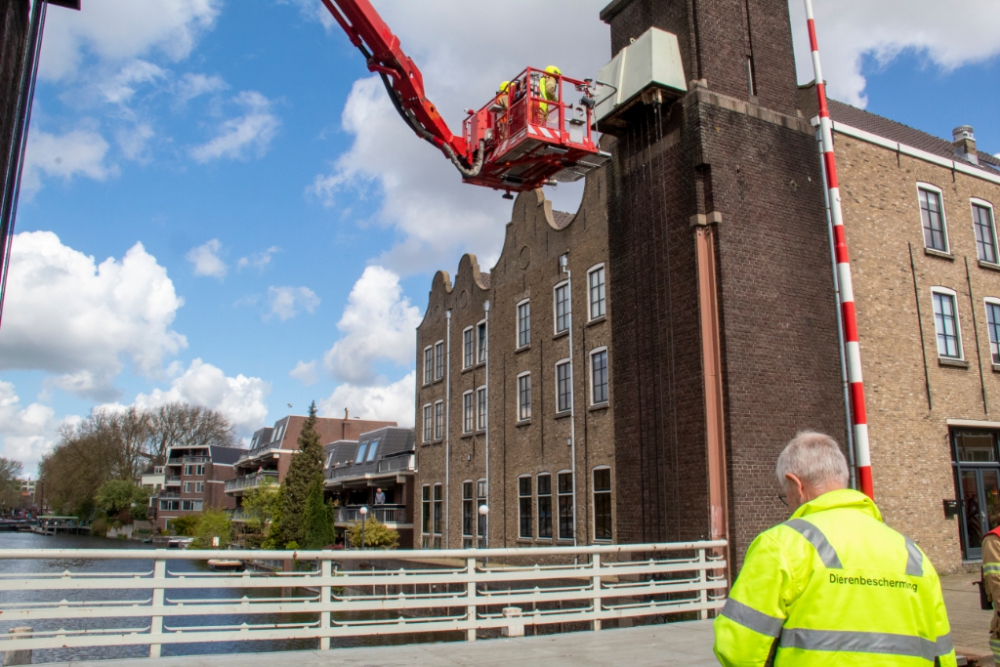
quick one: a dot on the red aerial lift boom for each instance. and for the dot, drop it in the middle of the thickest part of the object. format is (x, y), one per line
(521, 139)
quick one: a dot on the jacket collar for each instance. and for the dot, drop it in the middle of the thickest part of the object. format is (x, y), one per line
(842, 498)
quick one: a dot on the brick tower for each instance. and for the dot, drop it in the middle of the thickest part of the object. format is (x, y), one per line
(722, 288)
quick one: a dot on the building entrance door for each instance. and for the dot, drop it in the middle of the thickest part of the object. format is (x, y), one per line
(978, 482)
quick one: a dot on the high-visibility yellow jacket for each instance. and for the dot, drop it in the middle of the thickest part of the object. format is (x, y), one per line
(991, 577)
(833, 586)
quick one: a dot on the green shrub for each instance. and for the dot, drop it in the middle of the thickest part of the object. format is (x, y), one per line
(99, 527)
(212, 524)
(184, 526)
(377, 535)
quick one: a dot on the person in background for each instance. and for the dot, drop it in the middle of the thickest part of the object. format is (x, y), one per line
(833, 585)
(991, 581)
(379, 497)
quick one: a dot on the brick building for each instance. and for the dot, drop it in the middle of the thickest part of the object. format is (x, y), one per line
(195, 480)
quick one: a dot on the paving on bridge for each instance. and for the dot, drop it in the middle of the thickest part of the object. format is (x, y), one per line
(688, 643)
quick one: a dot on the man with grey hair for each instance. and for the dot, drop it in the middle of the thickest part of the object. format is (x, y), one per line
(833, 585)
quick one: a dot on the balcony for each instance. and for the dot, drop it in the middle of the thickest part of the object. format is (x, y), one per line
(197, 459)
(168, 494)
(388, 514)
(173, 480)
(263, 449)
(251, 481)
(398, 464)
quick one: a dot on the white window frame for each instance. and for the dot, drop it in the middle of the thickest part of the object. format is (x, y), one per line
(593, 504)
(982, 203)
(988, 301)
(439, 360)
(468, 412)
(559, 495)
(437, 510)
(468, 539)
(481, 350)
(468, 348)
(482, 418)
(426, 515)
(439, 424)
(199, 487)
(428, 369)
(187, 487)
(555, 308)
(590, 303)
(553, 507)
(569, 363)
(520, 411)
(944, 217)
(590, 372)
(947, 291)
(517, 324)
(531, 499)
(428, 430)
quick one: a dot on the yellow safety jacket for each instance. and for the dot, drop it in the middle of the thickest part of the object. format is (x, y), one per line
(835, 586)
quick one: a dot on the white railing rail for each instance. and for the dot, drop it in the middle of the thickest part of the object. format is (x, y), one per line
(348, 596)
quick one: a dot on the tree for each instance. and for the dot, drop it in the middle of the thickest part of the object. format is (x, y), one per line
(123, 502)
(261, 506)
(377, 535)
(212, 524)
(10, 485)
(317, 526)
(184, 526)
(179, 424)
(305, 468)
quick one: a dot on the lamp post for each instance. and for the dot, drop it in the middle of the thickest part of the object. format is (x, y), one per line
(484, 512)
(364, 516)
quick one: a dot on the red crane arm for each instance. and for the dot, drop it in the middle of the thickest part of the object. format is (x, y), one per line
(402, 77)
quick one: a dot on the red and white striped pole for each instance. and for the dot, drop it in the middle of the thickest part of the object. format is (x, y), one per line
(851, 345)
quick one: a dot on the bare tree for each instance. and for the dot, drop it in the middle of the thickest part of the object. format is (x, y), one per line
(182, 424)
(10, 485)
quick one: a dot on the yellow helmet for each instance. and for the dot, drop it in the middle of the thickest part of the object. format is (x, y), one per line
(504, 86)
(552, 69)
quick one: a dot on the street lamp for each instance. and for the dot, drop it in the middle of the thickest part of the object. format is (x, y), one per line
(483, 539)
(364, 516)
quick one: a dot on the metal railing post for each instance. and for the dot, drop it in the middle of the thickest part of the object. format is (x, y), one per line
(470, 593)
(595, 563)
(703, 580)
(325, 571)
(156, 627)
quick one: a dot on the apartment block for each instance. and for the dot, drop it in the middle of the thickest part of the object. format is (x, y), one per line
(194, 480)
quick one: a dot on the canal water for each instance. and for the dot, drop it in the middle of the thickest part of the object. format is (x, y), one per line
(57, 565)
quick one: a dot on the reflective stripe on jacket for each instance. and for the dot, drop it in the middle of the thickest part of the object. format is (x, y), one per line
(832, 586)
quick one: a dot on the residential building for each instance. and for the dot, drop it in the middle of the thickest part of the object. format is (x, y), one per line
(379, 462)
(195, 479)
(271, 448)
(154, 478)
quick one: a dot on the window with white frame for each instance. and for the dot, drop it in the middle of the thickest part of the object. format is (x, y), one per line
(439, 420)
(524, 502)
(949, 339)
(468, 412)
(481, 342)
(524, 396)
(565, 492)
(425, 517)
(480, 501)
(187, 487)
(564, 386)
(199, 487)
(563, 307)
(932, 218)
(602, 504)
(468, 514)
(524, 324)
(481, 408)
(439, 360)
(595, 283)
(468, 351)
(545, 507)
(993, 326)
(438, 515)
(428, 364)
(599, 376)
(986, 234)
(428, 422)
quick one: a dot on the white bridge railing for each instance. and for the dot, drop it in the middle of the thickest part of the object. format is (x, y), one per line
(331, 594)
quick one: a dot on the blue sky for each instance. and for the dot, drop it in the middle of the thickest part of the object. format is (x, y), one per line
(263, 228)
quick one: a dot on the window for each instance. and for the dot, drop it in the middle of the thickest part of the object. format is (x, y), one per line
(595, 280)
(468, 512)
(545, 507)
(602, 504)
(480, 501)
(932, 217)
(468, 412)
(428, 423)
(188, 469)
(524, 397)
(199, 471)
(524, 324)
(563, 308)
(191, 505)
(599, 376)
(438, 514)
(565, 505)
(993, 326)
(439, 360)
(199, 487)
(481, 342)
(468, 353)
(986, 236)
(361, 452)
(946, 324)
(428, 365)
(372, 448)
(439, 420)
(564, 387)
(425, 523)
(170, 505)
(481, 407)
(187, 487)
(524, 507)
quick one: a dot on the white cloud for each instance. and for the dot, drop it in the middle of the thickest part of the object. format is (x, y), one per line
(133, 141)
(305, 373)
(287, 302)
(379, 322)
(195, 85)
(250, 133)
(27, 433)
(258, 260)
(80, 152)
(947, 34)
(67, 315)
(120, 88)
(242, 399)
(120, 30)
(382, 401)
(206, 260)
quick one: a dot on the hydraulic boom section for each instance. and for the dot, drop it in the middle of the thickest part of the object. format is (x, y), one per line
(525, 137)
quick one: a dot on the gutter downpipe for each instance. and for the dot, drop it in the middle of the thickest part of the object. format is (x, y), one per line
(850, 324)
(572, 394)
(447, 435)
(486, 308)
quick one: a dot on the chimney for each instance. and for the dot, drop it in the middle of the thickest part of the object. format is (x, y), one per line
(965, 144)
(343, 425)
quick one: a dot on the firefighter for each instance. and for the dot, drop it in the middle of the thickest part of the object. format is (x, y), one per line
(548, 90)
(991, 579)
(833, 585)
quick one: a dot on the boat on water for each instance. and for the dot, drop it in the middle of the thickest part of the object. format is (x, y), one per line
(225, 565)
(179, 542)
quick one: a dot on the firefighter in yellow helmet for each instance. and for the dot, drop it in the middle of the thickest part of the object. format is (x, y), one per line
(548, 90)
(833, 585)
